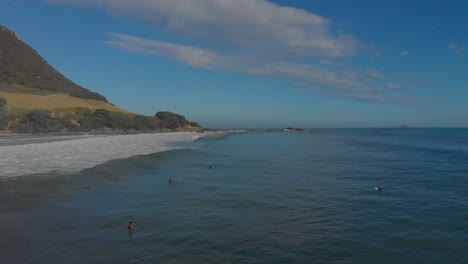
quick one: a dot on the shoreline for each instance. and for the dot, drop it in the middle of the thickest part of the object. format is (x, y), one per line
(24, 155)
(38, 155)
(15, 139)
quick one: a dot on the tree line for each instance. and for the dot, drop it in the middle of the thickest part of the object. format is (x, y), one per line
(85, 120)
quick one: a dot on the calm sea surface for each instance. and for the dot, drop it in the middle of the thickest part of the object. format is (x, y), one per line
(269, 197)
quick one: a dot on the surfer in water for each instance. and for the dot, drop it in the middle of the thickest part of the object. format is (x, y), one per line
(170, 181)
(379, 189)
(130, 226)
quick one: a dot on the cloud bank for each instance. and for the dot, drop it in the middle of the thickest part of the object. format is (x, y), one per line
(253, 37)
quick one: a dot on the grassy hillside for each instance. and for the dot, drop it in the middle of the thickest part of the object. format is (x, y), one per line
(20, 103)
(34, 113)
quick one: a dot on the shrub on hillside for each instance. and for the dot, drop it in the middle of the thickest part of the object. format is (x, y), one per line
(3, 103)
(84, 120)
(69, 123)
(143, 123)
(194, 124)
(102, 118)
(171, 120)
(3, 115)
(39, 121)
(91, 122)
(3, 121)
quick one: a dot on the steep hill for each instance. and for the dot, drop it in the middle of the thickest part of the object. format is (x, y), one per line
(36, 98)
(22, 67)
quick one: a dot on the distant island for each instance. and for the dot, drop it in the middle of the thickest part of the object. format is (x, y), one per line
(36, 98)
(292, 129)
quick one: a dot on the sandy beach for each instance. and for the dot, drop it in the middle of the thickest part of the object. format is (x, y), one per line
(20, 139)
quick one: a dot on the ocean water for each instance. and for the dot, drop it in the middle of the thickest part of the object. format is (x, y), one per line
(269, 197)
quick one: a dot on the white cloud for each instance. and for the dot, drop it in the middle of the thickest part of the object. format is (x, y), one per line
(349, 84)
(327, 62)
(375, 74)
(192, 56)
(253, 37)
(255, 25)
(458, 50)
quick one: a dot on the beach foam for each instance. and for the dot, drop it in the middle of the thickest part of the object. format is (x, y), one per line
(78, 154)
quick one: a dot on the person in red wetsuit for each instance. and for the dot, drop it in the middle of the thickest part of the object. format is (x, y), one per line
(130, 226)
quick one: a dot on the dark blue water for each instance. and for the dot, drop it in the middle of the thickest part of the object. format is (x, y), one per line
(270, 197)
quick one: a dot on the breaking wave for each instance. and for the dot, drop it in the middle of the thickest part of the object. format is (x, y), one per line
(81, 153)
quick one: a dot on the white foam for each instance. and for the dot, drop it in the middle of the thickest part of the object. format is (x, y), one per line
(78, 154)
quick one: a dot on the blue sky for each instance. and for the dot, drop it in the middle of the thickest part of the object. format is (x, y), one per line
(258, 63)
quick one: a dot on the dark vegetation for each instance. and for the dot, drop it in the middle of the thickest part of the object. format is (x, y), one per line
(3, 115)
(173, 120)
(20, 64)
(85, 120)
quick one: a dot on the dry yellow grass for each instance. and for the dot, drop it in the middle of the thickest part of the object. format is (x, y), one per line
(189, 128)
(20, 102)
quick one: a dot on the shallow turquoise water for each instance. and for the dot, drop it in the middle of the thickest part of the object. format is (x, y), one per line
(270, 197)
